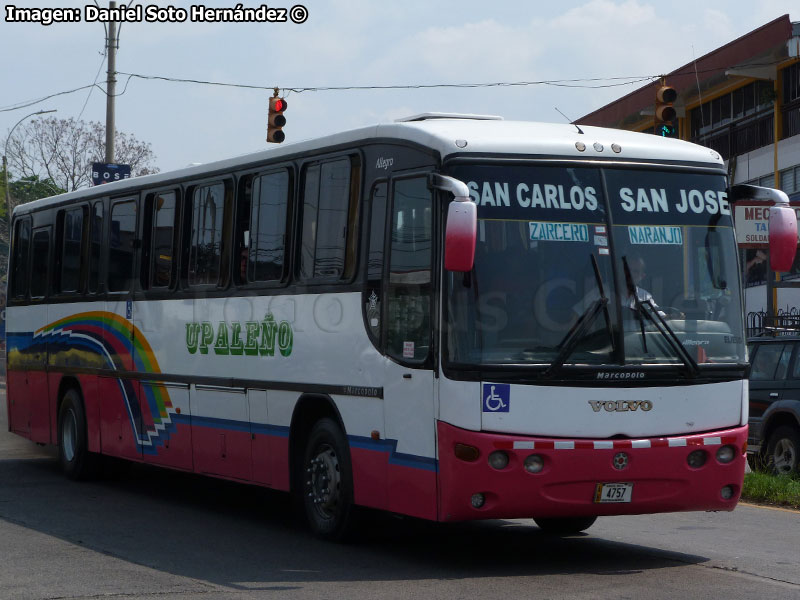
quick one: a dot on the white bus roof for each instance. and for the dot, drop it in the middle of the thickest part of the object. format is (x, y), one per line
(449, 134)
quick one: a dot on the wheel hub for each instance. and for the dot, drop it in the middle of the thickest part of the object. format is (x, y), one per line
(784, 456)
(324, 480)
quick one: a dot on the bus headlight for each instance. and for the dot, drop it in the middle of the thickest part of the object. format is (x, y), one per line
(726, 454)
(697, 459)
(534, 464)
(498, 460)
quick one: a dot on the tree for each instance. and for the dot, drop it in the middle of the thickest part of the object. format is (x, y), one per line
(52, 156)
(62, 151)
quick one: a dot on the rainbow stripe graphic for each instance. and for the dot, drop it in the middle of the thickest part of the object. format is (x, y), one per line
(122, 347)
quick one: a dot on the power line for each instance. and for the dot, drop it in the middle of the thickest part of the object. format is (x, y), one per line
(27, 103)
(558, 82)
(96, 77)
(584, 83)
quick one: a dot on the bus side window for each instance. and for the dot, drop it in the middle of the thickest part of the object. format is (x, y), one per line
(71, 256)
(40, 266)
(377, 236)
(21, 245)
(121, 246)
(95, 246)
(163, 235)
(243, 229)
(268, 227)
(328, 241)
(409, 295)
(206, 245)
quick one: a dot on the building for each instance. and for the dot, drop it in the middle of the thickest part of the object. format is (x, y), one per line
(738, 100)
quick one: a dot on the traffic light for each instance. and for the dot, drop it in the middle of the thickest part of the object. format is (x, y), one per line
(667, 130)
(276, 120)
(665, 112)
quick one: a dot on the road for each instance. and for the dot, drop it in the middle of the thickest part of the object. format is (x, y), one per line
(154, 534)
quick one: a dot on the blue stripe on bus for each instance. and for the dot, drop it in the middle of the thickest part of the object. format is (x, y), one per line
(365, 443)
(395, 458)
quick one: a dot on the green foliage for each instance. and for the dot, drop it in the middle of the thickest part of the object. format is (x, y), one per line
(26, 190)
(783, 490)
(32, 188)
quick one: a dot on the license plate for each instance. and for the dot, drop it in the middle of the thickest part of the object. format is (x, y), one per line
(613, 492)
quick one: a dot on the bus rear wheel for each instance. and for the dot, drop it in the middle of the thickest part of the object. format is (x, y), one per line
(73, 450)
(565, 525)
(328, 482)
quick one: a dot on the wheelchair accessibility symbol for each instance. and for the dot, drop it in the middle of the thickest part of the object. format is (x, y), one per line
(496, 397)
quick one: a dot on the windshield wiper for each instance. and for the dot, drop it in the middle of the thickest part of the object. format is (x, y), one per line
(648, 309)
(582, 325)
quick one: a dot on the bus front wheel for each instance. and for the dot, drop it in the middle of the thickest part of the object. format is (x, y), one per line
(73, 450)
(566, 525)
(327, 479)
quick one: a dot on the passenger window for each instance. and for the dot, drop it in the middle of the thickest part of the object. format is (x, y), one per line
(269, 206)
(22, 240)
(766, 361)
(71, 255)
(40, 268)
(96, 246)
(409, 294)
(121, 246)
(374, 289)
(163, 239)
(327, 247)
(205, 251)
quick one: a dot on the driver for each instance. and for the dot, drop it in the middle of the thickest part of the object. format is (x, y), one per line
(636, 266)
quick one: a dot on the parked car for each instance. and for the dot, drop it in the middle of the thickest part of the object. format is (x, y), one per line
(774, 440)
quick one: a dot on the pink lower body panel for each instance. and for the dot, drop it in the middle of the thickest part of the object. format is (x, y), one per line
(567, 486)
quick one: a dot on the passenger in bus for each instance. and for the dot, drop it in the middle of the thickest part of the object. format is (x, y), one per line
(243, 257)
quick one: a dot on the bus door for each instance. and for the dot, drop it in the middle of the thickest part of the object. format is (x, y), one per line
(408, 376)
(120, 414)
(221, 439)
(30, 399)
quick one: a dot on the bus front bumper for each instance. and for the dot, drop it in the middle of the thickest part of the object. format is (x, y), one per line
(575, 475)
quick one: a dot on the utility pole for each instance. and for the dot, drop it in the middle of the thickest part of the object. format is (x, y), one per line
(111, 84)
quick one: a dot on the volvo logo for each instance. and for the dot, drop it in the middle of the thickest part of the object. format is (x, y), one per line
(620, 461)
(620, 405)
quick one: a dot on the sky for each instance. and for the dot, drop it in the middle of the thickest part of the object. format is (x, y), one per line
(356, 43)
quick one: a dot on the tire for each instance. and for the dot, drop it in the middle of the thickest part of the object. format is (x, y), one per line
(783, 450)
(77, 462)
(565, 526)
(327, 482)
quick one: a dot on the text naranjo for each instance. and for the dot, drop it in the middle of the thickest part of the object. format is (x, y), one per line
(255, 338)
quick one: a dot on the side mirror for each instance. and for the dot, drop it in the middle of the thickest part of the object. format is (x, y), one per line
(782, 223)
(782, 237)
(460, 236)
(461, 230)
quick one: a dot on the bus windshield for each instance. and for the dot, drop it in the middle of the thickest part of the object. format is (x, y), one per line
(646, 274)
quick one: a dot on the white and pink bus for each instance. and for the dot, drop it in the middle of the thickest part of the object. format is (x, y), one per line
(450, 317)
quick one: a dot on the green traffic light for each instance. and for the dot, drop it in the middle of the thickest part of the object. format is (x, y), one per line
(665, 130)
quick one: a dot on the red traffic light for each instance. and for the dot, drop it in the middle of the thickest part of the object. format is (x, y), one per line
(276, 120)
(278, 104)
